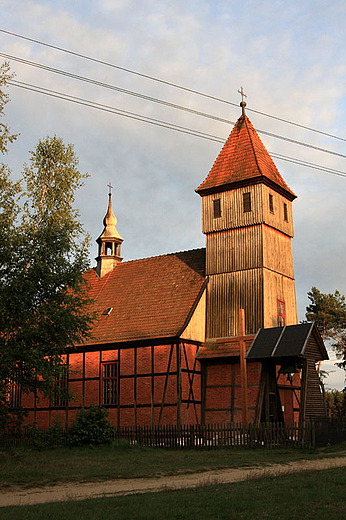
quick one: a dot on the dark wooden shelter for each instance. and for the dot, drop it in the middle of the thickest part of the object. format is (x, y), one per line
(289, 350)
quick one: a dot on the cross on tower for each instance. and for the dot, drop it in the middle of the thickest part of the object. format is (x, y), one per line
(110, 188)
(241, 92)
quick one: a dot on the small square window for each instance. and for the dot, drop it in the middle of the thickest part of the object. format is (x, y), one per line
(271, 203)
(246, 202)
(285, 212)
(217, 208)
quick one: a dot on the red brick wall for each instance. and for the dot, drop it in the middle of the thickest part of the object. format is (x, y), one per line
(223, 392)
(141, 396)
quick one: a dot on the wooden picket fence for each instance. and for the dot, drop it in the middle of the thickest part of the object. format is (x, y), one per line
(268, 435)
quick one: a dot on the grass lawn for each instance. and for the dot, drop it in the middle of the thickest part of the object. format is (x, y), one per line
(318, 495)
(27, 467)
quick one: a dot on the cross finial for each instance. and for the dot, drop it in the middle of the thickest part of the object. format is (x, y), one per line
(242, 103)
(110, 188)
(242, 93)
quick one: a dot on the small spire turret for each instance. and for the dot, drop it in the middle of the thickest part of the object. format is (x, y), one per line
(109, 242)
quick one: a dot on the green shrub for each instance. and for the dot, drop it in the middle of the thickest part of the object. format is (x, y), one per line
(40, 439)
(91, 427)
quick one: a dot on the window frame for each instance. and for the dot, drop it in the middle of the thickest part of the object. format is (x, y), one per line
(285, 212)
(217, 213)
(271, 203)
(281, 313)
(247, 206)
(59, 400)
(109, 383)
(14, 395)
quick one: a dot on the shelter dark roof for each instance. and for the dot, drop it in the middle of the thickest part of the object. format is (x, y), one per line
(146, 298)
(288, 341)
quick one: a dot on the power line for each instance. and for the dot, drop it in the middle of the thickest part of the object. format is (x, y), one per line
(162, 102)
(152, 78)
(158, 122)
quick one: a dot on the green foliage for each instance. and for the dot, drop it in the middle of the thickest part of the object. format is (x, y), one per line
(91, 427)
(335, 401)
(40, 439)
(44, 306)
(329, 313)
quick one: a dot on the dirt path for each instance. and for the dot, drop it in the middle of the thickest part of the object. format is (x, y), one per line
(80, 491)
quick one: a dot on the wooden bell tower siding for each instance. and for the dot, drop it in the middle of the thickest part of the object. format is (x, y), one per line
(248, 223)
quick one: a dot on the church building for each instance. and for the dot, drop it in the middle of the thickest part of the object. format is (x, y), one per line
(206, 335)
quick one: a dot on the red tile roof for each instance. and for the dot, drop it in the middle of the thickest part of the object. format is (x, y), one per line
(150, 298)
(223, 347)
(243, 160)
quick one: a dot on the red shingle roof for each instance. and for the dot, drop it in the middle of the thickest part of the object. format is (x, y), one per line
(150, 298)
(244, 160)
(223, 347)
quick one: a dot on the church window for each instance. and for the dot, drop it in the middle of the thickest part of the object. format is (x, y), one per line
(285, 212)
(14, 395)
(60, 392)
(281, 313)
(109, 383)
(271, 203)
(246, 202)
(217, 208)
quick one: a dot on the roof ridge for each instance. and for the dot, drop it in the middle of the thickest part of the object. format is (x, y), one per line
(162, 255)
(246, 119)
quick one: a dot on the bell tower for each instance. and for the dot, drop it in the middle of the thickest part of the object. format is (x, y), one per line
(248, 223)
(109, 242)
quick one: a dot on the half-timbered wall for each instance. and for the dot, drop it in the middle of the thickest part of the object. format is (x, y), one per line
(153, 384)
(222, 396)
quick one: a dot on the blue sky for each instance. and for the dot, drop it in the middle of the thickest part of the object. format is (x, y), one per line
(288, 56)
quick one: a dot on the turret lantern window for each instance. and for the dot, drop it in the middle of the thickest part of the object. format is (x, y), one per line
(217, 208)
(108, 248)
(246, 202)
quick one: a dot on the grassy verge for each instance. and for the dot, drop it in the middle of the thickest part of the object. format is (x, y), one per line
(26, 467)
(317, 495)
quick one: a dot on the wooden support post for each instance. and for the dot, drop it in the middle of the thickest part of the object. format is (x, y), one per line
(83, 382)
(179, 388)
(243, 372)
(152, 388)
(135, 386)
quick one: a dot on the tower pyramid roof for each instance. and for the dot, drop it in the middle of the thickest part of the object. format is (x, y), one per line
(244, 160)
